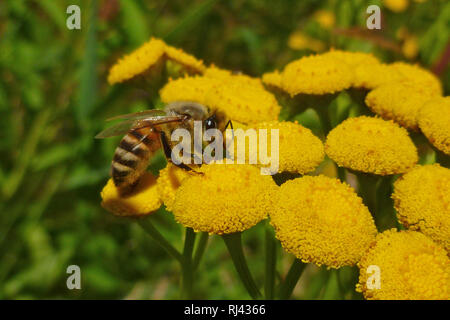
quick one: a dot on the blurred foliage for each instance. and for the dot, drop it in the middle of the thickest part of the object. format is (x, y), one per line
(54, 98)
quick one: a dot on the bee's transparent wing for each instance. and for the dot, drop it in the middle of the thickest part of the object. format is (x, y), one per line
(117, 129)
(127, 125)
(139, 115)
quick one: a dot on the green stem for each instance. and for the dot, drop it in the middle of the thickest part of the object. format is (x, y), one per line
(150, 229)
(324, 116)
(233, 241)
(442, 158)
(200, 249)
(342, 174)
(186, 265)
(368, 192)
(271, 264)
(294, 273)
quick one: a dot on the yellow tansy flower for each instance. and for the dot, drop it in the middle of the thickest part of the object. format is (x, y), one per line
(299, 150)
(316, 74)
(169, 180)
(415, 74)
(400, 102)
(434, 121)
(373, 75)
(224, 199)
(371, 145)
(323, 221)
(188, 89)
(247, 103)
(226, 75)
(325, 18)
(142, 201)
(137, 62)
(149, 55)
(352, 59)
(412, 267)
(410, 47)
(188, 61)
(422, 201)
(272, 79)
(396, 5)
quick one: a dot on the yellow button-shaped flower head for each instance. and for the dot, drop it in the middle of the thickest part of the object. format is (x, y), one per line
(137, 62)
(240, 100)
(224, 199)
(371, 145)
(396, 5)
(143, 200)
(299, 150)
(316, 74)
(148, 56)
(354, 60)
(373, 75)
(188, 89)
(226, 75)
(323, 221)
(168, 182)
(415, 74)
(351, 58)
(422, 201)
(400, 102)
(410, 266)
(434, 121)
(272, 79)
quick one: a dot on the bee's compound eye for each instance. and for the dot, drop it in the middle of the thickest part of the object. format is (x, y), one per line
(210, 123)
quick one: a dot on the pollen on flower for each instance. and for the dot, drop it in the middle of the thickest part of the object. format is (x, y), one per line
(169, 180)
(142, 201)
(224, 199)
(137, 62)
(316, 74)
(434, 121)
(292, 138)
(371, 145)
(322, 220)
(238, 100)
(412, 267)
(400, 102)
(422, 201)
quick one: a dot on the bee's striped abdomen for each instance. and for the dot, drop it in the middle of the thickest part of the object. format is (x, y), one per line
(132, 155)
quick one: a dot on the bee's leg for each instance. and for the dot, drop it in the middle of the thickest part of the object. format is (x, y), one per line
(168, 154)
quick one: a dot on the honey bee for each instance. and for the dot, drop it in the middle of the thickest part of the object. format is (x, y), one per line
(147, 131)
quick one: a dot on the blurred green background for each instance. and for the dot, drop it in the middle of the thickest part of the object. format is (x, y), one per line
(54, 98)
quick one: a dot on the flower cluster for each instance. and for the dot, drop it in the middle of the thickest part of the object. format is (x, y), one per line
(239, 97)
(322, 220)
(319, 219)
